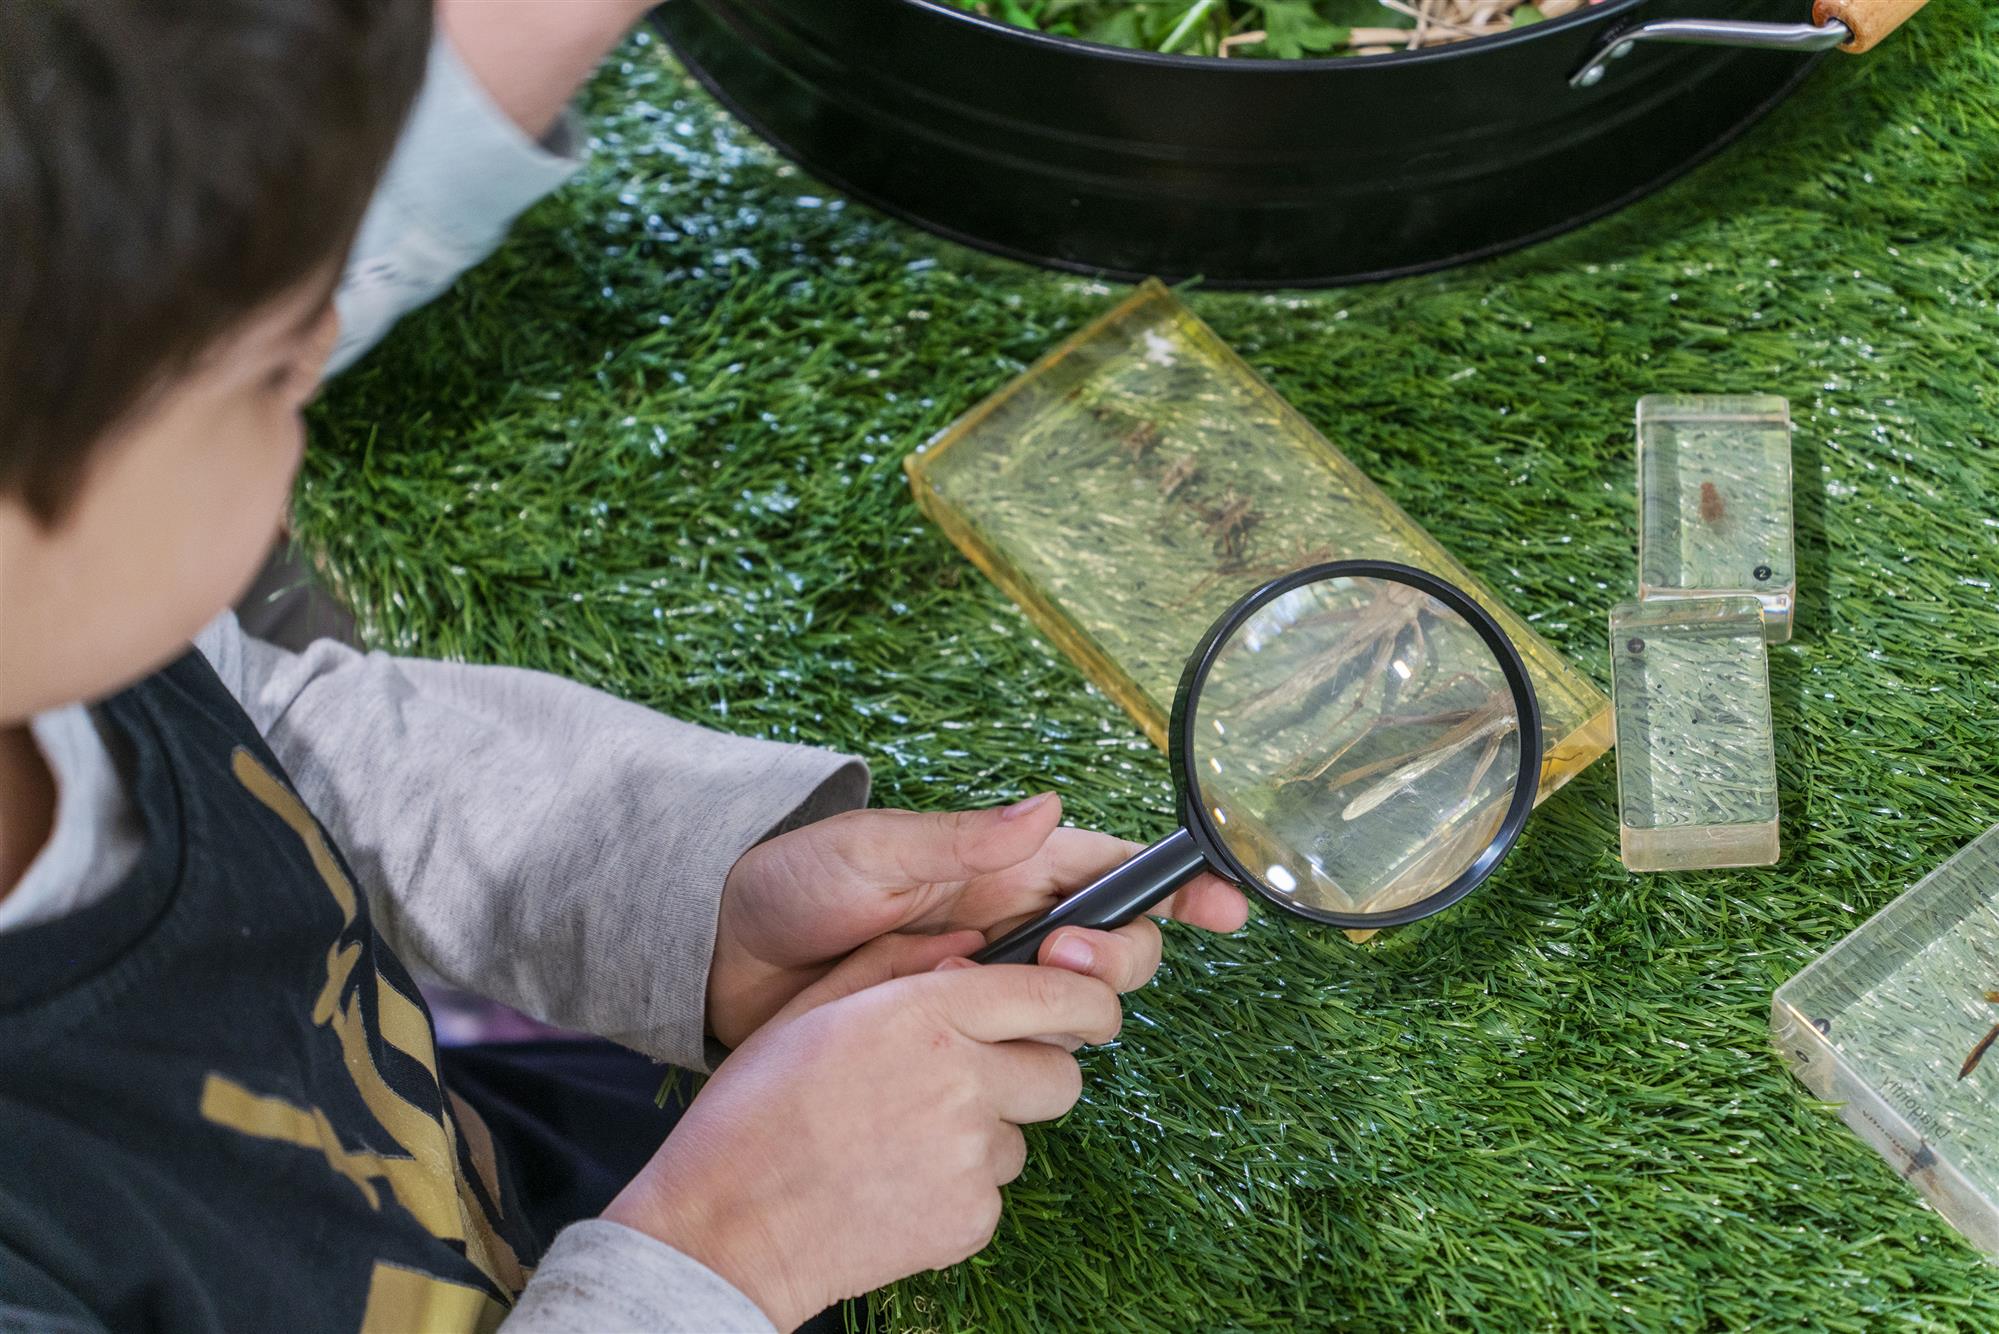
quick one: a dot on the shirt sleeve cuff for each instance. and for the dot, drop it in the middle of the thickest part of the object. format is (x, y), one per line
(601, 1276)
(800, 784)
(462, 172)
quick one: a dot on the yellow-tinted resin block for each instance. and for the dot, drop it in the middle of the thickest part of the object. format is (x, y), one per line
(1714, 501)
(1897, 1023)
(1141, 477)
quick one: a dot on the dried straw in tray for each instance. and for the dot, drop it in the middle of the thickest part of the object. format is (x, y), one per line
(1440, 22)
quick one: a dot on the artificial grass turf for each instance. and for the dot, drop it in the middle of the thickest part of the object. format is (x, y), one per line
(654, 444)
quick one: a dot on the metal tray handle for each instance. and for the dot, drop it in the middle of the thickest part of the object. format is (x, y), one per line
(1850, 25)
(1868, 20)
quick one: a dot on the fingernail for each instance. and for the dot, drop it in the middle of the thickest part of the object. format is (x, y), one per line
(951, 965)
(1073, 953)
(1020, 808)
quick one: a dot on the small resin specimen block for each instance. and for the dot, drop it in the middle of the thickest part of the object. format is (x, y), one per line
(1696, 756)
(1896, 1023)
(1140, 478)
(1714, 501)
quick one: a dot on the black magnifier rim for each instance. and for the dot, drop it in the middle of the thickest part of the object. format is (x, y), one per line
(1180, 750)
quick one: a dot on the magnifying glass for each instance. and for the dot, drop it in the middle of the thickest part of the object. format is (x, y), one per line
(1358, 742)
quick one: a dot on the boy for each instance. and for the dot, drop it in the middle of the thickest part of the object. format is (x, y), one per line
(223, 1104)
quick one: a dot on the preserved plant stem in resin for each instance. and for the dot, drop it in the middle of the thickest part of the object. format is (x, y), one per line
(1983, 1045)
(1696, 752)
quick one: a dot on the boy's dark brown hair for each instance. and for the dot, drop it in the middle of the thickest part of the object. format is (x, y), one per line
(166, 168)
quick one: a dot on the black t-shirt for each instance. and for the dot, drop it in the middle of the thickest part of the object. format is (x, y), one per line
(219, 1098)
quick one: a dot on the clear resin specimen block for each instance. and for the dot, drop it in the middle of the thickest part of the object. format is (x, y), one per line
(1139, 478)
(1714, 501)
(1897, 1023)
(1696, 756)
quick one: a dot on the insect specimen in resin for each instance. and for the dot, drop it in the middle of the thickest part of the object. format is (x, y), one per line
(1713, 507)
(1297, 557)
(1180, 472)
(1139, 441)
(1229, 523)
(1978, 1052)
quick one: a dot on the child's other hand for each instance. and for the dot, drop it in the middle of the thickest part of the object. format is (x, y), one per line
(863, 1134)
(799, 903)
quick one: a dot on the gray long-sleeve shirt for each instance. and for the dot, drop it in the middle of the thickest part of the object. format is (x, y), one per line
(519, 836)
(529, 839)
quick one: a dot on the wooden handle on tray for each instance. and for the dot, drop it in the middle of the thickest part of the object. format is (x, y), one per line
(1870, 20)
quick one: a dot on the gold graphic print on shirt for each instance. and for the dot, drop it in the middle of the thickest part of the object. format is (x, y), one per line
(425, 1178)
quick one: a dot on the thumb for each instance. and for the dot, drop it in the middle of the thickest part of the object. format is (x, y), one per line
(881, 960)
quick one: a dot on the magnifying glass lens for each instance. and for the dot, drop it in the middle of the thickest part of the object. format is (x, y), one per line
(1356, 745)
(1358, 741)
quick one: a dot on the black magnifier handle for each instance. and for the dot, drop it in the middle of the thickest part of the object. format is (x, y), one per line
(1118, 897)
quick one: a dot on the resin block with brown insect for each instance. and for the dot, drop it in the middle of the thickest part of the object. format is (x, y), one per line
(1714, 502)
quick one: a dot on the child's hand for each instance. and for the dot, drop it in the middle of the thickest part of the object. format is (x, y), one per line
(864, 1133)
(796, 905)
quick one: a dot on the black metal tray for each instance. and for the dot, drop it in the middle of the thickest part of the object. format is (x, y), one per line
(1248, 173)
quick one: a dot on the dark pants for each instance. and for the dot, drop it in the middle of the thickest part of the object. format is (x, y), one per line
(576, 1120)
